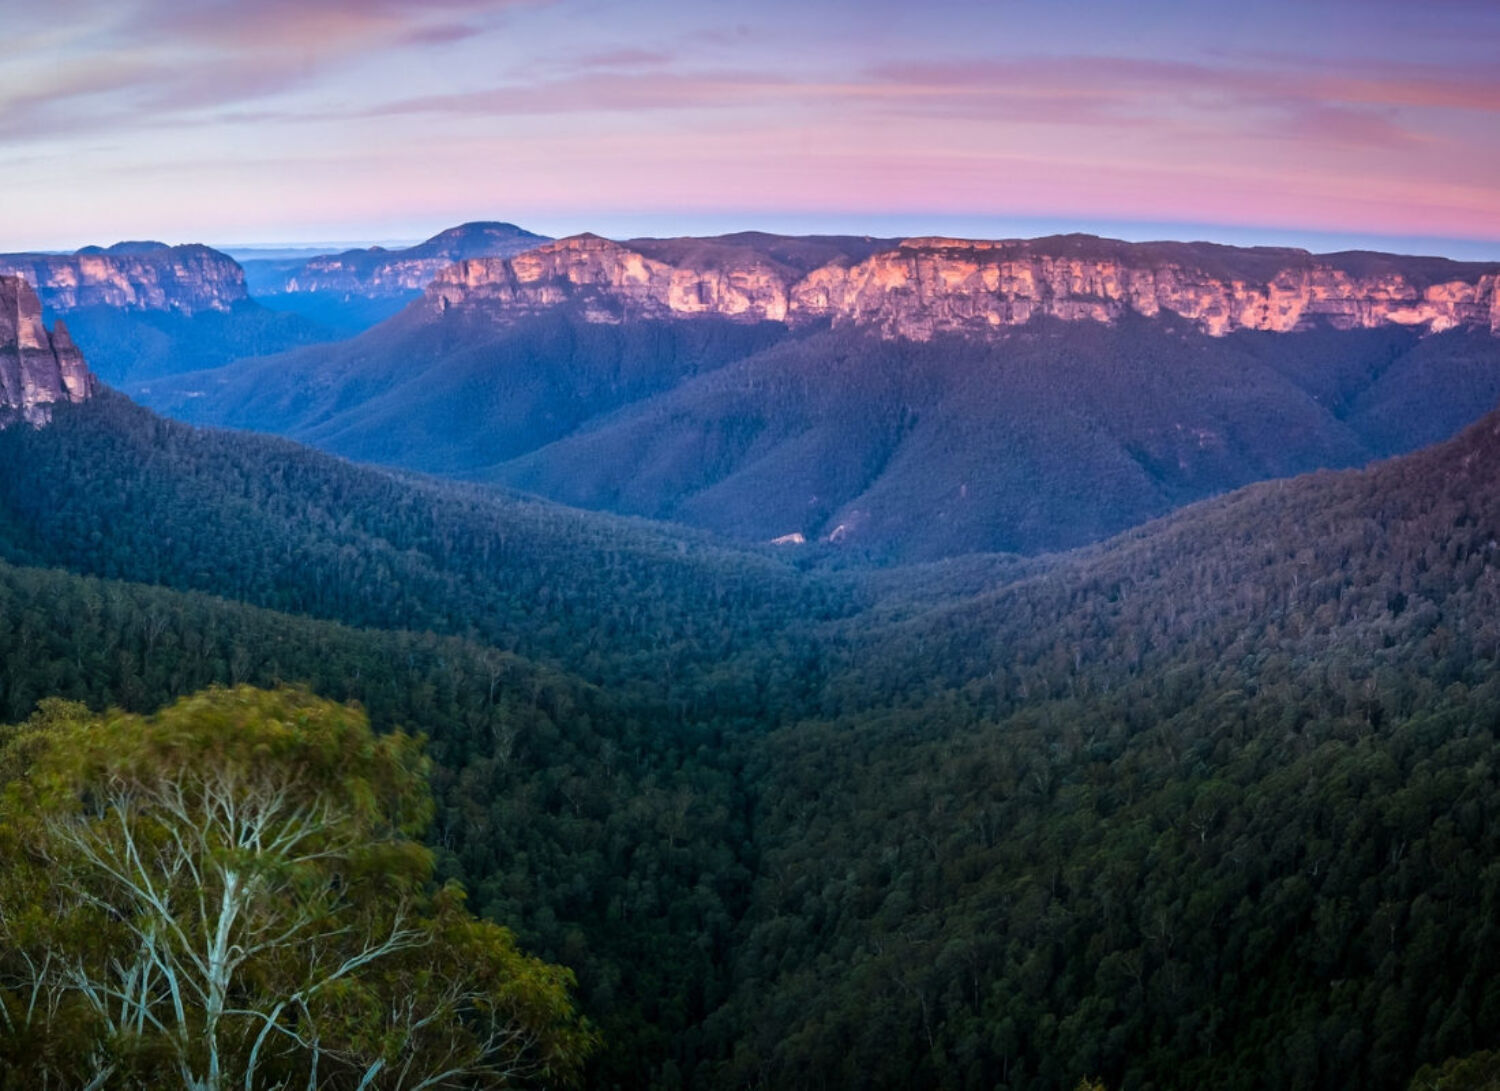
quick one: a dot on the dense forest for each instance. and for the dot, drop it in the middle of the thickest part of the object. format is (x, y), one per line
(1208, 804)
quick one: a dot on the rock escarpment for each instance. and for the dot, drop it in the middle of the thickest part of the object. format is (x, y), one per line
(378, 272)
(133, 276)
(930, 285)
(923, 287)
(615, 281)
(37, 369)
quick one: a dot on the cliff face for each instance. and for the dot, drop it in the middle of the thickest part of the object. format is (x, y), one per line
(931, 285)
(614, 282)
(378, 272)
(37, 369)
(133, 276)
(923, 287)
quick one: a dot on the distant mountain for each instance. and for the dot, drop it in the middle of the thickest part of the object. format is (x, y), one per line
(381, 272)
(38, 369)
(133, 276)
(140, 309)
(911, 400)
(353, 290)
(924, 287)
(136, 248)
(457, 392)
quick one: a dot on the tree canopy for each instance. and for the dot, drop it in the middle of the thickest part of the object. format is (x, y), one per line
(228, 894)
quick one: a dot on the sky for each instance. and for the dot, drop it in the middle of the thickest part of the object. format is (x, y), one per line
(1323, 123)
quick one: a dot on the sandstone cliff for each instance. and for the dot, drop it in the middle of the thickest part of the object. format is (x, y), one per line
(614, 281)
(37, 369)
(133, 276)
(378, 272)
(927, 286)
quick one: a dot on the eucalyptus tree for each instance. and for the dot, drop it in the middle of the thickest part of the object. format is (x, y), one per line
(228, 894)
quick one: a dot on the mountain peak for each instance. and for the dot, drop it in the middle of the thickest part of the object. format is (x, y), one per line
(136, 248)
(378, 272)
(585, 240)
(37, 369)
(485, 227)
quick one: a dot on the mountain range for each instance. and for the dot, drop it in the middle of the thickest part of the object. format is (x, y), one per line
(896, 399)
(142, 310)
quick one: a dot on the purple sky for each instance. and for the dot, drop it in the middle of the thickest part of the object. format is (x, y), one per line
(1327, 124)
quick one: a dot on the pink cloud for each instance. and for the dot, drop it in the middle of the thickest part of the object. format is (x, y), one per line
(324, 25)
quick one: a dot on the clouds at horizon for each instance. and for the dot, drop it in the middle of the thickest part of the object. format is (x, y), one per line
(280, 119)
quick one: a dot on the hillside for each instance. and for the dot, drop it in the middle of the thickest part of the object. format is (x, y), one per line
(463, 394)
(1049, 437)
(551, 793)
(1211, 804)
(898, 402)
(110, 490)
(1207, 803)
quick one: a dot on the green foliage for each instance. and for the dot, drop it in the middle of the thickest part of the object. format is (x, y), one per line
(225, 894)
(572, 814)
(1476, 1072)
(1214, 804)
(109, 490)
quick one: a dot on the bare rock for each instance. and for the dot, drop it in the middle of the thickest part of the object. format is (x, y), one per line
(37, 369)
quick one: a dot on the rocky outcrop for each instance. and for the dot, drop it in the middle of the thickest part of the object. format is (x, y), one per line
(923, 287)
(133, 276)
(614, 281)
(37, 369)
(378, 272)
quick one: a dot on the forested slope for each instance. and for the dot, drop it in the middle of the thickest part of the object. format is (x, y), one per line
(1213, 804)
(451, 394)
(1209, 804)
(1048, 436)
(112, 490)
(607, 831)
(128, 346)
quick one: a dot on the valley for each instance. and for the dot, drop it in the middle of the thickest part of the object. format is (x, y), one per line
(703, 774)
(890, 401)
